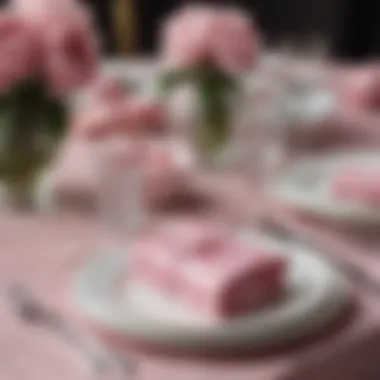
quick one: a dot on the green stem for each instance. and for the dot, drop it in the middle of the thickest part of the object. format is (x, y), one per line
(214, 129)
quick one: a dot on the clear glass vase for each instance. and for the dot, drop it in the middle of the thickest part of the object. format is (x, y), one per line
(214, 142)
(212, 145)
(24, 152)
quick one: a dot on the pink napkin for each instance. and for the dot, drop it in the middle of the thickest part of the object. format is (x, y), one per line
(72, 179)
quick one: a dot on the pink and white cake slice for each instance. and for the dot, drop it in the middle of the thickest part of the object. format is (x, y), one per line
(358, 184)
(234, 280)
(159, 254)
(190, 236)
(211, 272)
(154, 264)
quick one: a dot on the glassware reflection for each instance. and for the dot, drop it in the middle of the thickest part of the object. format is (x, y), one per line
(262, 129)
(120, 187)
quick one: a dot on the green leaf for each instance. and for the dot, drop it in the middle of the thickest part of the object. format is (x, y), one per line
(168, 81)
(55, 115)
(4, 101)
(213, 94)
(216, 79)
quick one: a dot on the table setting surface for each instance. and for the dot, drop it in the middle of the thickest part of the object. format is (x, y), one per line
(41, 252)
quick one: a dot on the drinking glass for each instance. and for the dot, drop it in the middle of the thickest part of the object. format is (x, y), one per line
(120, 188)
(263, 133)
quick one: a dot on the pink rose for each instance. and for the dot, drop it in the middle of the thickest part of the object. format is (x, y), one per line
(186, 35)
(236, 45)
(19, 51)
(361, 88)
(70, 45)
(39, 11)
(72, 56)
(200, 35)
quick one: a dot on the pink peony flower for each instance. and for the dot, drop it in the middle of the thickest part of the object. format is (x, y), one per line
(70, 46)
(200, 35)
(362, 88)
(39, 11)
(186, 35)
(19, 51)
(236, 45)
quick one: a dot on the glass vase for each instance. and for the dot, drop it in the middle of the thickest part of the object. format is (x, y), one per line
(24, 152)
(213, 140)
(212, 145)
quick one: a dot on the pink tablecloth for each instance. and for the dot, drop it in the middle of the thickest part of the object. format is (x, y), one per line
(43, 252)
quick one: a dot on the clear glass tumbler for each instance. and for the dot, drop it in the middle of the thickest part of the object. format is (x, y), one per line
(121, 201)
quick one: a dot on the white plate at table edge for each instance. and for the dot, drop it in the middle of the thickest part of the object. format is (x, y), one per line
(323, 296)
(293, 191)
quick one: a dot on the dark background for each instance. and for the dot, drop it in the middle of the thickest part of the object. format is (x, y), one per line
(352, 26)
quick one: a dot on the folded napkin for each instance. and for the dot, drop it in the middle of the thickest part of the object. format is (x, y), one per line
(72, 180)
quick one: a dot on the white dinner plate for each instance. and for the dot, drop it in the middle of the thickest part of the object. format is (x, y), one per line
(315, 295)
(304, 186)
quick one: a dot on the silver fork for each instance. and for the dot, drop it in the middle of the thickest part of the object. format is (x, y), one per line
(31, 311)
(281, 232)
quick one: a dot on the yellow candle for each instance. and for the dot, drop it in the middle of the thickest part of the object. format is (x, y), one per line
(125, 25)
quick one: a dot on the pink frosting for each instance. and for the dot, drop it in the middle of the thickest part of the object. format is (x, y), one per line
(204, 267)
(235, 281)
(199, 238)
(197, 35)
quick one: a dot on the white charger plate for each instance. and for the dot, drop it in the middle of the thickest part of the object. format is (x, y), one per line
(316, 294)
(304, 186)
